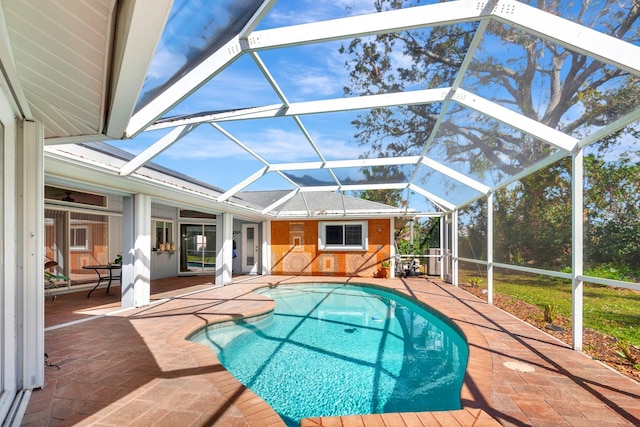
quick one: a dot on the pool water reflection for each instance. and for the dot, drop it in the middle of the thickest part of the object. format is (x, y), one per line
(341, 350)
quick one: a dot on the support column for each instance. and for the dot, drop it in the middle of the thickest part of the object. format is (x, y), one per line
(392, 239)
(9, 353)
(136, 254)
(443, 245)
(411, 240)
(490, 248)
(30, 249)
(577, 246)
(217, 274)
(454, 247)
(142, 263)
(446, 248)
(128, 251)
(224, 257)
(266, 248)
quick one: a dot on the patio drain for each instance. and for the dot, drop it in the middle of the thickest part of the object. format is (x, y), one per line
(519, 366)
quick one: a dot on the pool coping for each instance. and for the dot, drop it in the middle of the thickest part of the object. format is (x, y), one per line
(476, 391)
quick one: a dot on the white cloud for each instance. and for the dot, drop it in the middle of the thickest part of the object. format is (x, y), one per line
(300, 12)
(164, 63)
(356, 7)
(228, 91)
(292, 146)
(201, 147)
(317, 83)
(338, 149)
(273, 144)
(281, 146)
(399, 59)
(317, 71)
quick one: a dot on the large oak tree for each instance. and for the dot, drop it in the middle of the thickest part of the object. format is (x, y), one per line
(547, 82)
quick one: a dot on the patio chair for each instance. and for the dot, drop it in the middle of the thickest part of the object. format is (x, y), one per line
(51, 280)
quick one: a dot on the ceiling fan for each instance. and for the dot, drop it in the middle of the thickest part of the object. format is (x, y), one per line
(68, 198)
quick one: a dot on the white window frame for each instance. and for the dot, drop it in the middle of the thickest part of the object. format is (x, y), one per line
(165, 225)
(72, 238)
(322, 236)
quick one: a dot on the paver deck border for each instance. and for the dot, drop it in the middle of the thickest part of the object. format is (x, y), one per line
(492, 393)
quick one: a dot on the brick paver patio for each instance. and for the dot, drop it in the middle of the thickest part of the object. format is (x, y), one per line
(135, 368)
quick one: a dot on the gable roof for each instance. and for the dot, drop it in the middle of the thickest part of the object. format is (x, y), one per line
(100, 156)
(318, 204)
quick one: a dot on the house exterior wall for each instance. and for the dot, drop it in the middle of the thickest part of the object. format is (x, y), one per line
(97, 250)
(165, 264)
(89, 234)
(294, 250)
(104, 231)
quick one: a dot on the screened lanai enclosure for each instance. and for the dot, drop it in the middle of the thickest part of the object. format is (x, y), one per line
(509, 126)
(515, 123)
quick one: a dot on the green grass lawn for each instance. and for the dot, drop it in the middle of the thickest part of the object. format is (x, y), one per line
(613, 311)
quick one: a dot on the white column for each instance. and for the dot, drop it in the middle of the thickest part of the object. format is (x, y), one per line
(224, 257)
(443, 245)
(446, 248)
(577, 246)
(217, 279)
(142, 250)
(392, 237)
(10, 354)
(30, 229)
(490, 248)
(454, 247)
(266, 248)
(411, 240)
(128, 251)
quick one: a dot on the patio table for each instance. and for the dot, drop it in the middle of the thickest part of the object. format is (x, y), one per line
(105, 274)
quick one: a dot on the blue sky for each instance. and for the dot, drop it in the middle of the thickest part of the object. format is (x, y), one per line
(303, 73)
(206, 154)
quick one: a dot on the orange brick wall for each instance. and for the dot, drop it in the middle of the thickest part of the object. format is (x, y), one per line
(294, 250)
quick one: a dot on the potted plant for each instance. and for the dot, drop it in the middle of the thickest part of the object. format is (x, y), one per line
(383, 272)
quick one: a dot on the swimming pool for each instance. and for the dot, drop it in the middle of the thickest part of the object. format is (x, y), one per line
(341, 349)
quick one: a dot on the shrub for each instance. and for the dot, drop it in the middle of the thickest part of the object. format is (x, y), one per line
(625, 351)
(550, 313)
(475, 281)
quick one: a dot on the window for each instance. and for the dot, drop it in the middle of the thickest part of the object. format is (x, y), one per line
(186, 213)
(162, 236)
(342, 235)
(79, 237)
(74, 196)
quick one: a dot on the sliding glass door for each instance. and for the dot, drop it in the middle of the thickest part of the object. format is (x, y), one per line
(197, 248)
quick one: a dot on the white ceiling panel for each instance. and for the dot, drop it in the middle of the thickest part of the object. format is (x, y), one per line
(62, 51)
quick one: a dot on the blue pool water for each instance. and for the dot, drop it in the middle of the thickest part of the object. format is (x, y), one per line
(340, 349)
